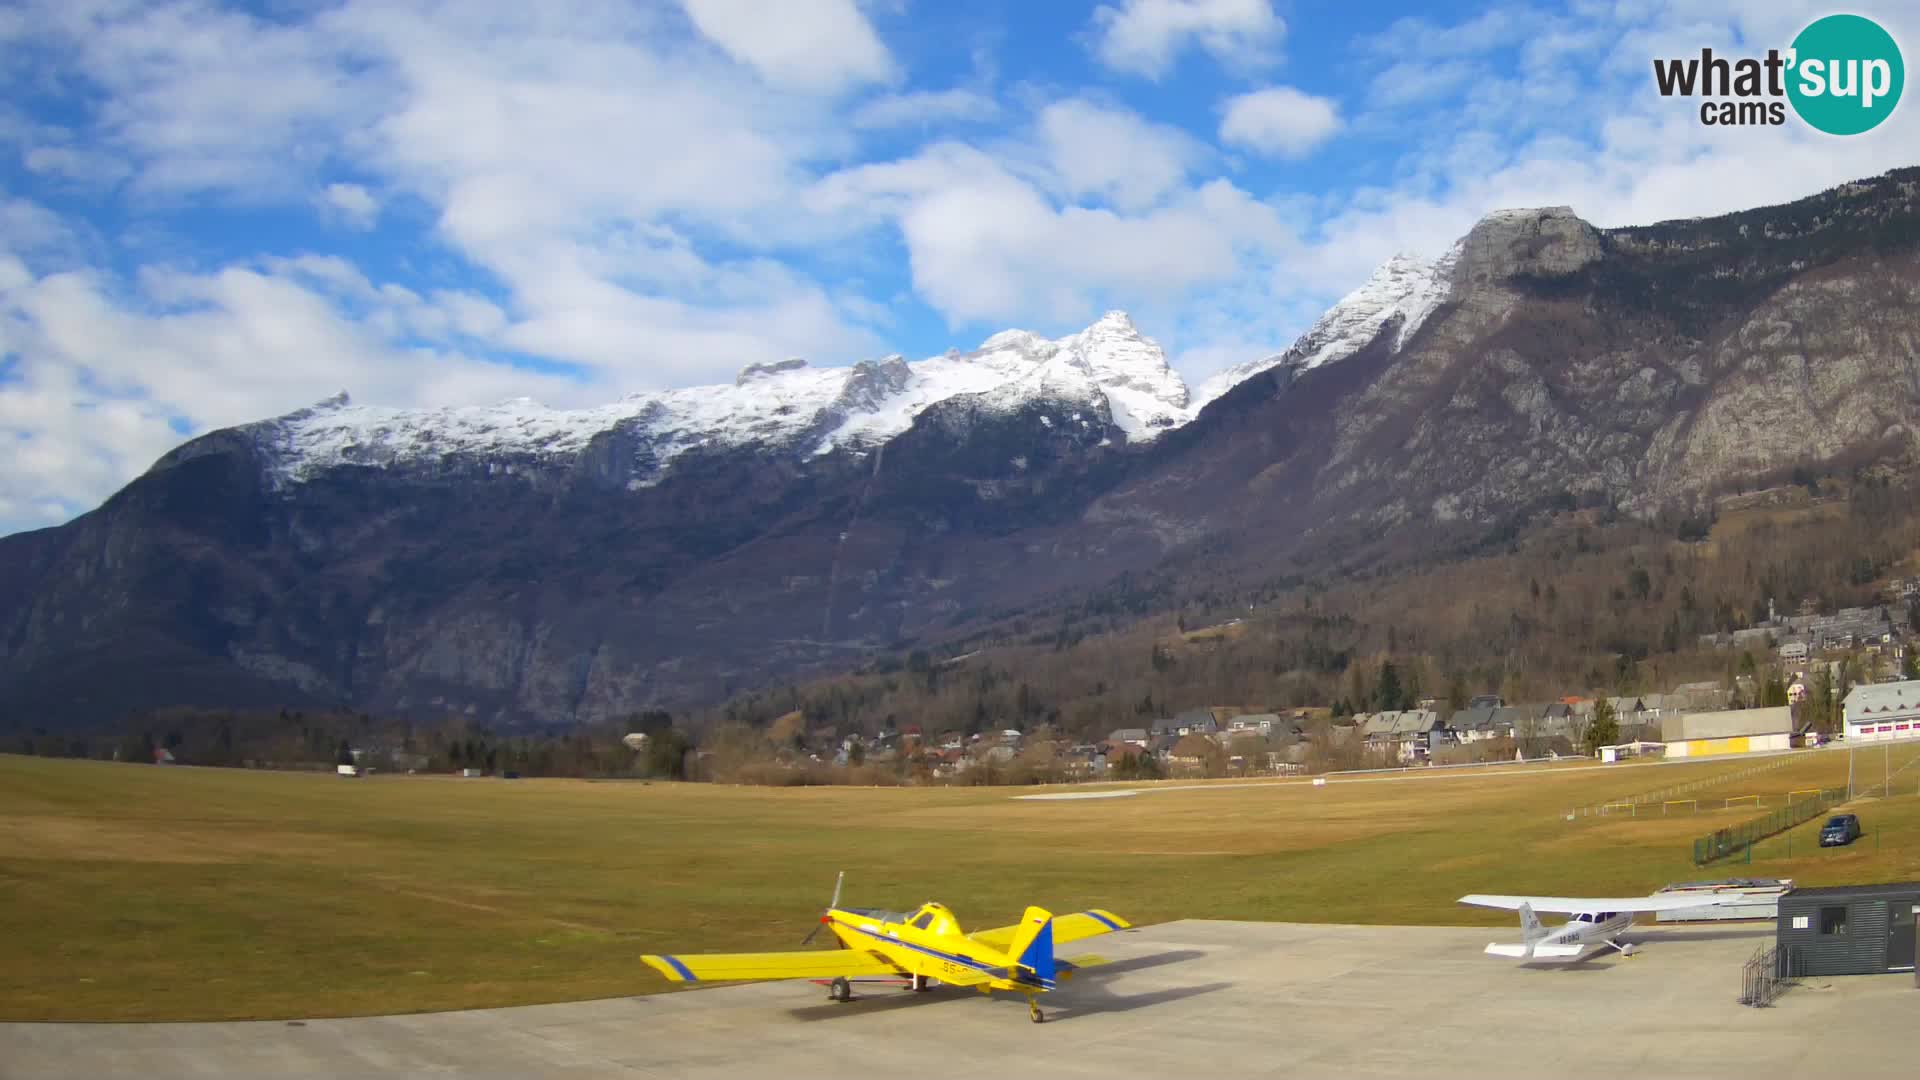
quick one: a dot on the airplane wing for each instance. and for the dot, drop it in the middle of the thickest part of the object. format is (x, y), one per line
(812, 964)
(1578, 905)
(1066, 928)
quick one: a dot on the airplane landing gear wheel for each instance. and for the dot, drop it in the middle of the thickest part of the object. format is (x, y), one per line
(840, 990)
(920, 984)
(1034, 1014)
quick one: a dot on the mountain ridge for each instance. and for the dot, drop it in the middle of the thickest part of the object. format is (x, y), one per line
(1543, 363)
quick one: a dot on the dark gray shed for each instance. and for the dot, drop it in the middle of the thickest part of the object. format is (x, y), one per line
(1850, 929)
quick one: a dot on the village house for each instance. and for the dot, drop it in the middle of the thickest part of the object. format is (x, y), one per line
(1472, 724)
(1191, 751)
(1196, 722)
(1881, 711)
(1262, 724)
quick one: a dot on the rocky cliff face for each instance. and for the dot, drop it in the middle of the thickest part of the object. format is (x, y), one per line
(518, 564)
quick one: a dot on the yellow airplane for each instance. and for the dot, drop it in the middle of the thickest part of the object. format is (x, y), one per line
(917, 947)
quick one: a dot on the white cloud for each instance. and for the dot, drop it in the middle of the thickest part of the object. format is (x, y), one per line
(1421, 82)
(816, 45)
(1417, 36)
(352, 204)
(83, 166)
(988, 245)
(1143, 37)
(522, 128)
(1280, 121)
(1114, 154)
(102, 373)
(926, 108)
(206, 99)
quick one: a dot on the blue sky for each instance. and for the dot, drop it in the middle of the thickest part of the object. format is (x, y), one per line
(214, 213)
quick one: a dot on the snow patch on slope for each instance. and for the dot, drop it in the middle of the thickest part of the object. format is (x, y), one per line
(1405, 287)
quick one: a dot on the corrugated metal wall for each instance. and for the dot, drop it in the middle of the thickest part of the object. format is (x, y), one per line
(1861, 950)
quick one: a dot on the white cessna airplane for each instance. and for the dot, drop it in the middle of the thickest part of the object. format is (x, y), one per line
(1590, 922)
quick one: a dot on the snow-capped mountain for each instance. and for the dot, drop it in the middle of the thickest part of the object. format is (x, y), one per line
(1109, 370)
(1405, 287)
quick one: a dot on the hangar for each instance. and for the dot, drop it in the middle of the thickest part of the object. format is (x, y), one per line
(1729, 731)
(1849, 929)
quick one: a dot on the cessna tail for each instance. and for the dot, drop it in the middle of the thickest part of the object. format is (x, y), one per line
(1591, 923)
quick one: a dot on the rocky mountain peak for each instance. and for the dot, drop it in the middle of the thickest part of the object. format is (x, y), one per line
(871, 382)
(765, 368)
(1548, 241)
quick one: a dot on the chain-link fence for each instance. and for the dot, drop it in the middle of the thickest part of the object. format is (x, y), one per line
(1740, 838)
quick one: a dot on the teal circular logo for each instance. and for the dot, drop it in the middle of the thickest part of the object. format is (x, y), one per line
(1846, 74)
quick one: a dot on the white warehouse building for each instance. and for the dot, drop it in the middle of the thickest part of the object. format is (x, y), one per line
(1729, 731)
(1882, 711)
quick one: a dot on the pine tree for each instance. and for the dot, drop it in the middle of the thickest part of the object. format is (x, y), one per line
(1387, 695)
(1605, 728)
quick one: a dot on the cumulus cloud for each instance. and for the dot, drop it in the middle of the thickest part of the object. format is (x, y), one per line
(1114, 154)
(987, 244)
(1279, 121)
(815, 45)
(352, 204)
(1144, 37)
(201, 98)
(106, 375)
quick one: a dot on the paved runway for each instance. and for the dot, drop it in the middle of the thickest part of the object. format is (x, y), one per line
(1182, 999)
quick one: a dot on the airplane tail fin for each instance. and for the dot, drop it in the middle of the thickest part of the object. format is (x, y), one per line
(1032, 944)
(1530, 928)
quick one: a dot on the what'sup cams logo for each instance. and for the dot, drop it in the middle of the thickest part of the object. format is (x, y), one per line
(1842, 75)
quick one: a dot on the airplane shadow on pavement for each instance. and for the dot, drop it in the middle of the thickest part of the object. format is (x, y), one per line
(1667, 938)
(1096, 1000)
(1083, 995)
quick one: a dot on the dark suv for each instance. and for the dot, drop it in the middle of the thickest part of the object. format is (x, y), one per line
(1840, 830)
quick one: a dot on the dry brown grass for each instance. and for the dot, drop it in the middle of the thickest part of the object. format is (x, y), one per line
(135, 892)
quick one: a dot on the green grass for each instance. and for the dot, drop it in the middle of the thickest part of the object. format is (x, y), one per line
(134, 892)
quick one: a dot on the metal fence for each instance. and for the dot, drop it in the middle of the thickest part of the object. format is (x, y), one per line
(1770, 972)
(1740, 838)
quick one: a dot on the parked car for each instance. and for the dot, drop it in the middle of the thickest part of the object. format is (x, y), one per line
(1840, 830)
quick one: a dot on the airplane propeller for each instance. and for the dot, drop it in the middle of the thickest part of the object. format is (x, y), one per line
(831, 904)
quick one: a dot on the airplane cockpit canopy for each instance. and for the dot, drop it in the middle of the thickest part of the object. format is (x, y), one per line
(933, 917)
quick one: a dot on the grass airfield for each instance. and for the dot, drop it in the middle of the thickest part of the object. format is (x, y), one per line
(143, 893)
